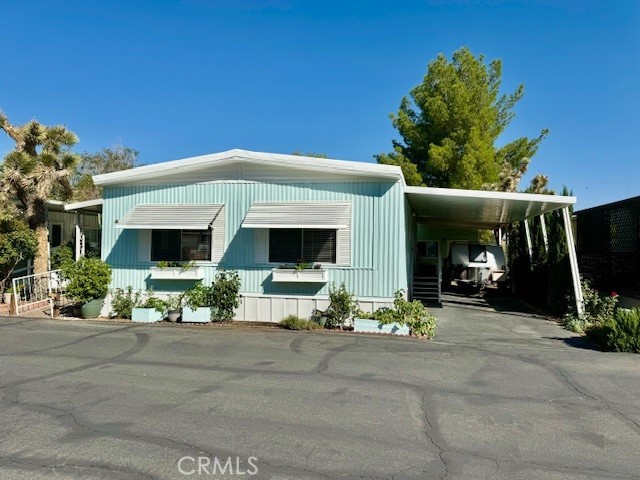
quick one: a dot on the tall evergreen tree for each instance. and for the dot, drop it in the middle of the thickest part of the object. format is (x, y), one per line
(450, 124)
(39, 167)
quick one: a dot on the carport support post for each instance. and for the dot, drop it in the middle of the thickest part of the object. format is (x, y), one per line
(543, 225)
(573, 260)
(528, 235)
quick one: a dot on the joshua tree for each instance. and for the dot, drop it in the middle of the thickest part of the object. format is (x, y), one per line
(38, 169)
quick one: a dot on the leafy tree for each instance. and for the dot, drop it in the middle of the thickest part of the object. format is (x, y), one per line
(38, 169)
(105, 161)
(450, 124)
(17, 242)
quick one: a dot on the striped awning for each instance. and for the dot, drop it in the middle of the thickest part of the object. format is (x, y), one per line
(298, 215)
(175, 216)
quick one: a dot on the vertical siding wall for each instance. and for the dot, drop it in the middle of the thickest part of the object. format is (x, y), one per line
(379, 230)
(411, 229)
(68, 222)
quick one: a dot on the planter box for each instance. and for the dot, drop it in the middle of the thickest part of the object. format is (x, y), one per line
(199, 315)
(146, 315)
(309, 275)
(373, 326)
(177, 273)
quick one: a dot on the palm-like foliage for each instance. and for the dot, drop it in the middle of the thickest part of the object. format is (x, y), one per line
(39, 168)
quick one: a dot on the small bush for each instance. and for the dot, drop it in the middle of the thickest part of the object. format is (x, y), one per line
(225, 295)
(124, 301)
(156, 303)
(620, 334)
(576, 324)
(173, 303)
(342, 306)
(413, 314)
(198, 296)
(293, 322)
(598, 309)
(88, 279)
(625, 331)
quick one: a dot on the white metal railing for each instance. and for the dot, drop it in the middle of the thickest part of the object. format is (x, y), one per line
(37, 288)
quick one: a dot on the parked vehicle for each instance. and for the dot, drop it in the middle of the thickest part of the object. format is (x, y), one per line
(476, 265)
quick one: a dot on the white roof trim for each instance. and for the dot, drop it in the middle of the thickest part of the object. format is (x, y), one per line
(85, 204)
(277, 159)
(170, 216)
(330, 215)
(489, 194)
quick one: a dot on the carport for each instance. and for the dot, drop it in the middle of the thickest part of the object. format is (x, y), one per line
(478, 209)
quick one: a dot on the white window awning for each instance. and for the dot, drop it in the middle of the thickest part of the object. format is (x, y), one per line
(175, 216)
(299, 215)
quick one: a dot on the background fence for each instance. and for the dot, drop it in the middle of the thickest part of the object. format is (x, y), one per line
(608, 246)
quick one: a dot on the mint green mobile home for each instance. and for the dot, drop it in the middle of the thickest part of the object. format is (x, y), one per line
(258, 213)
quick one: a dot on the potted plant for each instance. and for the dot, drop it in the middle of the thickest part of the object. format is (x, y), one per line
(383, 320)
(319, 317)
(177, 271)
(150, 311)
(174, 307)
(197, 304)
(302, 271)
(88, 284)
(6, 296)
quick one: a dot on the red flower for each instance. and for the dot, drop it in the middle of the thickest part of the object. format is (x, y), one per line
(614, 294)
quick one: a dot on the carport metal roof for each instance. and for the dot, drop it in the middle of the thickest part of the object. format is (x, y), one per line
(479, 209)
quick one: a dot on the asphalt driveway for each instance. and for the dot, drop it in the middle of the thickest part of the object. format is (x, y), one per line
(499, 394)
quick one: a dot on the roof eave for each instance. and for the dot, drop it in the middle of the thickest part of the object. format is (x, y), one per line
(310, 163)
(489, 194)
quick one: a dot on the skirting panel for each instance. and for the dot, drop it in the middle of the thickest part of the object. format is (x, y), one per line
(263, 308)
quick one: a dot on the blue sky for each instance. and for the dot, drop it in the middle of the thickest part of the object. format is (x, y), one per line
(175, 79)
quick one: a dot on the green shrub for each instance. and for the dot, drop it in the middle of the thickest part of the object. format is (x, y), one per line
(198, 296)
(413, 314)
(124, 301)
(293, 322)
(61, 256)
(173, 302)
(342, 306)
(225, 295)
(88, 279)
(598, 309)
(156, 303)
(576, 324)
(620, 333)
(625, 331)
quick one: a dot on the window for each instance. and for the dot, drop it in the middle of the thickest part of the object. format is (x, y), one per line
(56, 235)
(92, 237)
(288, 245)
(180, 245)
